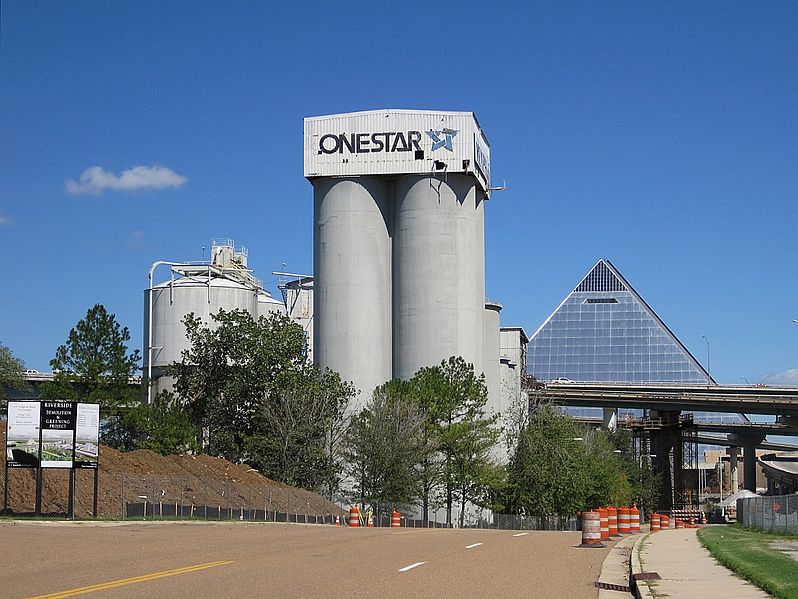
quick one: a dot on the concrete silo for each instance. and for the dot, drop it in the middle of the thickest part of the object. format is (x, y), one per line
(352, 284)
(492, 357)
(439, 282)
(398, 241)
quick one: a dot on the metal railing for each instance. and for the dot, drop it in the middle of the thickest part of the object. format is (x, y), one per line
(778, 513)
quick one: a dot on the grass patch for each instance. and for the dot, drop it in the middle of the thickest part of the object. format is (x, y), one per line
(748, 553)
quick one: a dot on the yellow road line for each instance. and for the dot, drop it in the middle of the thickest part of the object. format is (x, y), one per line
(126, 581)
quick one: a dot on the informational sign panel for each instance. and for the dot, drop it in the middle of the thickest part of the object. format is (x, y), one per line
(52, 434)
(87, 435)
(58, 434)
(22, 434)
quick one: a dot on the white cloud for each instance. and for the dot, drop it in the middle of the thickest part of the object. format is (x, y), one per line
(96, 180)
(788, 377)
(4, 220)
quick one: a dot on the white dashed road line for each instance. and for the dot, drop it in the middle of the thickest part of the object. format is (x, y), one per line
(411, 566)
(474, 545)
(521, 534)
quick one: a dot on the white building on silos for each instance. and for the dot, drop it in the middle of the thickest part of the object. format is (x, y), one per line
(399, 258)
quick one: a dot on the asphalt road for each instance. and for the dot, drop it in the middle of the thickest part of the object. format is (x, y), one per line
(174, 559)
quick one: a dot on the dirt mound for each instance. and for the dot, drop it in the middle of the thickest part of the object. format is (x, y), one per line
(144, 476)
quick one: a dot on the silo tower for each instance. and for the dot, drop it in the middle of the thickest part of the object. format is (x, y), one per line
(399, 260)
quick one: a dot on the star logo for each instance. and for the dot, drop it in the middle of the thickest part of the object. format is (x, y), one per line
(442, 138)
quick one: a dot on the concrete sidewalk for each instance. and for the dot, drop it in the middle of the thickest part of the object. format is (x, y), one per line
(686, 569)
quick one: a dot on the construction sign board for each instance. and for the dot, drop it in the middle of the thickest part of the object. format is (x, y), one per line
(52, 434)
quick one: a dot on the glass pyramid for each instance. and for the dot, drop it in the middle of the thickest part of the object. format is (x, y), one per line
(603, 331)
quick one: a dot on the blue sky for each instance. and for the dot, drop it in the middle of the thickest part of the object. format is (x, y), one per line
(661, 137)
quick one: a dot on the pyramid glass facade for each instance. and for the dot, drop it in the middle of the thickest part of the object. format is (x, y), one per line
(603, 331)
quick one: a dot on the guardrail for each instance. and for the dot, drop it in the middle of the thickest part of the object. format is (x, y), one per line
(778, 513)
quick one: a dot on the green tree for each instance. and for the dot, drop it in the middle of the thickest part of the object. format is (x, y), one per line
(385, 443)
(230, 368)
(548, 470)
(252, 397)
(560, 467)
(454, 399)
(426, 386)
(474, 473)
(11, 374)
(608, 472)
(162, 426)
(94, 365)
(298, 429)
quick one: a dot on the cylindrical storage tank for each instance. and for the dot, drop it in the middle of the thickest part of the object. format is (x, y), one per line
(352, 294)
(269, 305)
(492, 354)
(591, 529)
(172, 301)
(439, 286)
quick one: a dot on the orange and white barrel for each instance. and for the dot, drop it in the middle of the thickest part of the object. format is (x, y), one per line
(612, 521)
(655, 522)
(634, 519)
(354, 516)
(591, 529)
(623, 521)
(396, 519)
(679, 523)
(664, 522)
(603, 523)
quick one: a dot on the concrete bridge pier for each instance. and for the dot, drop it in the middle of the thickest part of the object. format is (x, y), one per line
(749, 467)
(749, 443)
(733, 471)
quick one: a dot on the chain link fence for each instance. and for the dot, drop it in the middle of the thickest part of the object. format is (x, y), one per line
(773, 514)
(165, 496)
(516, 522)
(168, 496)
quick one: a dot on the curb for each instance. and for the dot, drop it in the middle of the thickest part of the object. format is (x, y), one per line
(614, 576)
(640, 588)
